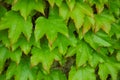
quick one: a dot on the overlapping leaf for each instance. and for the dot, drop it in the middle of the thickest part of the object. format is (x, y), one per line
(50, 27)
(4, 55)
(98, 39)
(103, 21)
(80, 74)
(21, 71)
(108, 68)
(55, 74)
(82, 51)
(27, 6)
(16, 26)
(43, 56)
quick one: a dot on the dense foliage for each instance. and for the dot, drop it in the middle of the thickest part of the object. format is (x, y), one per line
(59, 40)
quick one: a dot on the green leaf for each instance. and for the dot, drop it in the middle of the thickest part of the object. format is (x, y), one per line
(4, 55)
(102, 39)
(58, 75)
(118, 55)
(16, 56)
(50, 27)
(98, 39)
(51, 2)
(104, 21)
(80, 74)
(11, 70)
(95, 59)
(77, 16)
(24, 72)
(58, 2)
(3, 10)
(107, 68)
(86, 9)
(71, 4)
(43, 56)
(64, 11)
(16, 26)
(4, 38)
(89, 39)
(88, 23)
(27, 6)
(82, 53)
(62, 43)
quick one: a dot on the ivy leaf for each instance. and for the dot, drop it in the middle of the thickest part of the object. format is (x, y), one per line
(16, 26)
(54, 75)
(51, 2)
(3, 10)
(50, 27)
(104, 21)
(23, 71)
(57, 75)
(118, 55)
(27, 6)
(102, 39)
(98, 39)
(77, 16)
(58, 2)
(71, 4)
(11, 70)
(86, 9)
(95, 59)
(62, 43)
(4, 55)
(107, 68)
(64, 11)
(88, 23)
(25, 45)
(43, 56)
(80, 74)
(16, 56)
(82, 53)
(4, 38)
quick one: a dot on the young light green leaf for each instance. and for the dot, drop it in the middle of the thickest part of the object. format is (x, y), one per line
(16, 26)
(50, 27)
(80, 74)
(27, 6)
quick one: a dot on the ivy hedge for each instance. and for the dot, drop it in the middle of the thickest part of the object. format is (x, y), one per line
(59, 39)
